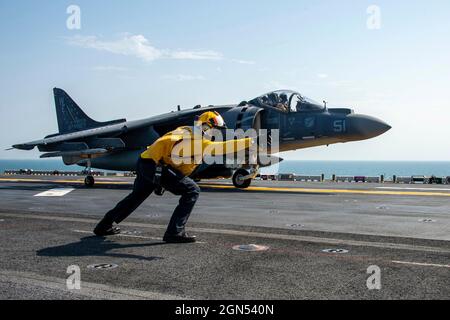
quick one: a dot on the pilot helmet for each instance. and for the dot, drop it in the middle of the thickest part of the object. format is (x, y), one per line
(211, 120)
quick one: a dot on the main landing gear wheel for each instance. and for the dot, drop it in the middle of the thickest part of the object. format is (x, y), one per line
(238, 179)
(89, 181)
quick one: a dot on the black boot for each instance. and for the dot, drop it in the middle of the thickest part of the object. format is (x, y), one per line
(102, 230)
(184, 238)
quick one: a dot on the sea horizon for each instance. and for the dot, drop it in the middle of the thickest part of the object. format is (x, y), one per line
(388, 168)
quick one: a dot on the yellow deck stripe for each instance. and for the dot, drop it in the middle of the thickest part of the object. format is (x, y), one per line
(263, 189)
(348, 191)
(65, 181)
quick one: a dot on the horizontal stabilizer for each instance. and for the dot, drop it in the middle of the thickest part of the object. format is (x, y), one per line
(24, 146)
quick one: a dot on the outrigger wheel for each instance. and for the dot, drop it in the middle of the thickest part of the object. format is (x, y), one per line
(239, 181)
(89, 181)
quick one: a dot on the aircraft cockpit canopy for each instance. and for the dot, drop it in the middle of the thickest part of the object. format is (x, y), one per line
(287, 101)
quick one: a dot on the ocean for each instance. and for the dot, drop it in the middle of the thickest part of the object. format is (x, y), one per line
(328, 168)
(365, 168)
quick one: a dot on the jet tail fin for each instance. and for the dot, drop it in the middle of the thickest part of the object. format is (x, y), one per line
(70, 116)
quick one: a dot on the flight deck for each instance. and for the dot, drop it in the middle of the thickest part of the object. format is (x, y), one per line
(274, 240)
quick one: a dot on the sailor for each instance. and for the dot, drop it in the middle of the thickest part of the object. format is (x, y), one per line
(159, 168)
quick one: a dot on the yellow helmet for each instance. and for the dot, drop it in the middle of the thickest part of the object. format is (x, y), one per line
(212, 119)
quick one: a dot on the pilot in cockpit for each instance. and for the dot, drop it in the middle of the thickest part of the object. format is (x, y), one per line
(273, 99)
(284, 102)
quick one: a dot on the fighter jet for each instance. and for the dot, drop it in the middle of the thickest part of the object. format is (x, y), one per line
(116, 145)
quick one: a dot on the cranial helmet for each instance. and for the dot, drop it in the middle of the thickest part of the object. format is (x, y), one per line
(211, 120)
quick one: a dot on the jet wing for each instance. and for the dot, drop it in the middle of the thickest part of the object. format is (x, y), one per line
(111, 130)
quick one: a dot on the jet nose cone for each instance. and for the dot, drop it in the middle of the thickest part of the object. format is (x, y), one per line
(361, 127)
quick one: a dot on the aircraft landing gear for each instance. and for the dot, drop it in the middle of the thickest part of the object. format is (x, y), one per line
(89, 181)
(242, 179)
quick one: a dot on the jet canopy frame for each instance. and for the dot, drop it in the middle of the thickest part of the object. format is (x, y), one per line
(287, 101)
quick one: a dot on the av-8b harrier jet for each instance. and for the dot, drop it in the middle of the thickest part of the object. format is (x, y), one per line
(116, 145)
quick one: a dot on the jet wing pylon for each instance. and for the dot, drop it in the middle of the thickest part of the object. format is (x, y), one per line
(80, 153)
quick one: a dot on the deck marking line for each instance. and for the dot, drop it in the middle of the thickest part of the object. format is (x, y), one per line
(131, 236)
(328, 191)
(121, 235)
(420, 189)
(89, 289)
(423, 264)
(267, 189)
(58, 192)
(261, 235)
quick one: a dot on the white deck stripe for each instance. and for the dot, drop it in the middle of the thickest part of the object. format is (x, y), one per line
(384, 245)
(58, 192)
(423, 264)
(122, 235)
(131, 236)
(88, 289)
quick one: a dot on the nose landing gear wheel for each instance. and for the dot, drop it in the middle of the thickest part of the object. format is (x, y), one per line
(89, 181)
(238, 180)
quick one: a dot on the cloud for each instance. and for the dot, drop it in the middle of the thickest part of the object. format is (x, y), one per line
(243, 61)
(322, 75)
(184, 77)
(129, 45)
(138, 46)
(196, 55)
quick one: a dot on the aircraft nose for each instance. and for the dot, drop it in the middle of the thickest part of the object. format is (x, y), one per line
(361, 127)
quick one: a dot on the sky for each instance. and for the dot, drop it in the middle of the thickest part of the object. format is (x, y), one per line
(135, 59)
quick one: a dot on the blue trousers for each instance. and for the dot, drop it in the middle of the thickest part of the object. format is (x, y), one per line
(143, 187)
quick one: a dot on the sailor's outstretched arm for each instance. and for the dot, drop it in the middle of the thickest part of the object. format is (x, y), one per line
(227, 147)
(203, 147)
